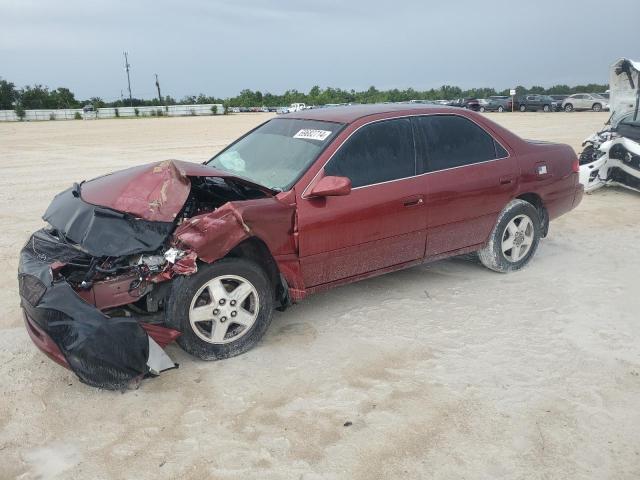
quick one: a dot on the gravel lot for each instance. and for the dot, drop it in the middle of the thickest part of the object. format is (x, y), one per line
(440, 371)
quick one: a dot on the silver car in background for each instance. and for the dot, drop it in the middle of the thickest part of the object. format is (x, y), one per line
(585, 101)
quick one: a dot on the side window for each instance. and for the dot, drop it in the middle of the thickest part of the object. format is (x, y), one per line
(378, 152)
(453, 141)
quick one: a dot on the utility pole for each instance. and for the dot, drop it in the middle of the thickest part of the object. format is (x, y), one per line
(158, 87)
(126, 66)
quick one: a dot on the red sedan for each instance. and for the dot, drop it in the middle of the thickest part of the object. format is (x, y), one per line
(305, 202)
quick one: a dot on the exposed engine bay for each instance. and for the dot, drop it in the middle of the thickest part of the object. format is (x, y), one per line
(96, 280)
(612, 156)
(140, 249)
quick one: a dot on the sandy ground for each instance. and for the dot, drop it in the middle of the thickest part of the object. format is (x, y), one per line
(445, 370)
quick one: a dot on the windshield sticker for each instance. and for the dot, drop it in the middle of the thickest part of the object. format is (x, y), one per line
(311, 134)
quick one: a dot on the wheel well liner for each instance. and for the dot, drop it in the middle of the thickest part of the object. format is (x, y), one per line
(535, 200)
(257, 251)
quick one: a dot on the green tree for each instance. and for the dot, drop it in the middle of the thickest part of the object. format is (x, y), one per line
(8, 95)
(36, 97)
(63, 98)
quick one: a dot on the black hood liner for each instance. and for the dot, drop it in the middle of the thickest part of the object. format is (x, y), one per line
(103, 232)
(629, 130)
(103, 352)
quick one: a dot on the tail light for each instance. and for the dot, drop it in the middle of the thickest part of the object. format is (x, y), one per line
(575, 166)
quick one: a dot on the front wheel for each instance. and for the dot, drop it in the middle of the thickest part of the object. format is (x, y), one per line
(482, 109)
(546, 108)
(596, 107)
(523, 108)
(568, 107)
(514, 239)
(500, 109)
(223, 310)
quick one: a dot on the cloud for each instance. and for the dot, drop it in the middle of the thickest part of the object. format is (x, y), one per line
(219, 47)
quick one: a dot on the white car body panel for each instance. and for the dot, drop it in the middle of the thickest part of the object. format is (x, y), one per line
(600, 168)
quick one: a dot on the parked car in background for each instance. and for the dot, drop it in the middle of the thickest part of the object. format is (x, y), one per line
(558, 99)
(471, 104)
(495, 104)
(296, 107)
(456, 102)
(534, 102)
(585, 101)
(203, 253)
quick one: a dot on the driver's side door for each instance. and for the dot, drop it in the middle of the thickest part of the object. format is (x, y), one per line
(380, 223)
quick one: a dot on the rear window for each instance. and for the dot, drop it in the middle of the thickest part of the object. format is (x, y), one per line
(452, 141)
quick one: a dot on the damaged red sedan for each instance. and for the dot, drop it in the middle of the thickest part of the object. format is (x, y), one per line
(202, 254)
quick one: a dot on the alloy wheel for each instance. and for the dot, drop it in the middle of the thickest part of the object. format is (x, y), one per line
(517, 238)
(224, 309)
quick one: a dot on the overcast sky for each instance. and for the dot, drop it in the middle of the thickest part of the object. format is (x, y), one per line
(219, 47)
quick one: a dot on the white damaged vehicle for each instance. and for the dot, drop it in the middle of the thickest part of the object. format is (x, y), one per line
(612, 156)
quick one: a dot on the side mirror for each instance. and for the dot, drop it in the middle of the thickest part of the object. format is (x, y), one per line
(331, 187)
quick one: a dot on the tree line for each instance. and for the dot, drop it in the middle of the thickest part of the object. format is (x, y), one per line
(41, 97)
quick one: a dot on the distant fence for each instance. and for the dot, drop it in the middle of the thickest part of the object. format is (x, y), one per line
(110, 112)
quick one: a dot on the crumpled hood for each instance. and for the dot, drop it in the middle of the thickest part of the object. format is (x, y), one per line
(154, 192)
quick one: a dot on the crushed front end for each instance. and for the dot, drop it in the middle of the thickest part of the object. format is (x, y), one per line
(81, 310)
(612, 156)
(94, 283)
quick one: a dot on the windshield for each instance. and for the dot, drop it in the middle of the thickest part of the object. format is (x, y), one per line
(278, 152)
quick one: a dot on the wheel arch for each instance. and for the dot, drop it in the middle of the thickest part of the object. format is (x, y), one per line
(535, 200)
(257, 251)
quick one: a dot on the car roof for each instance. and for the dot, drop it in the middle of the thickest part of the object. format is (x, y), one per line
(351, 113)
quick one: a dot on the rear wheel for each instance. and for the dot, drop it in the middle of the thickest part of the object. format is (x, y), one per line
(482, 109)
(223, 310)
(546, 108)
(514, 239)
(500, 109)
(596, 107)
(568, 107)
(523, 108)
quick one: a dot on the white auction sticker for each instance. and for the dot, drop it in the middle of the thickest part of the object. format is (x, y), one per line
(311, 134)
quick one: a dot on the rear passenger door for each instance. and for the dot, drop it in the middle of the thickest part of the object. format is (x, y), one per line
(469, 178)
(381, 223)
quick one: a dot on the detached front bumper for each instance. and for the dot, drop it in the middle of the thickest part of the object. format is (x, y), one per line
(105, 352)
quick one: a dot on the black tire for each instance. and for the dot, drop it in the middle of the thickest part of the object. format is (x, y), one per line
(482, 109)
(568, 107)
(182, 295)
(492, 255)
(523, 108)
(597, 107)
(500, 109)
(546, 108)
